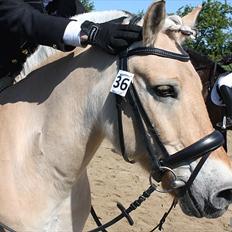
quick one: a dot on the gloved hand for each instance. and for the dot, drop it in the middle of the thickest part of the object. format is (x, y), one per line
(110, 36)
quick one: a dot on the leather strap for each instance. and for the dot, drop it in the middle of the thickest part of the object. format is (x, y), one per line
(143, 51)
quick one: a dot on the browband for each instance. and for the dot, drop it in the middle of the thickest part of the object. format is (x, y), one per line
(143, 51)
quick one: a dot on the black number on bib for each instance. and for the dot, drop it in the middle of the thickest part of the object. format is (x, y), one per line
(122, 83)
(117, 82)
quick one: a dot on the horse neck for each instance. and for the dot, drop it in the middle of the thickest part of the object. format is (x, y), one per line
(92, 105)
(100, 107)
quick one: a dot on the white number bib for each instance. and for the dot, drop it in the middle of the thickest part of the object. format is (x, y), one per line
(122, 83)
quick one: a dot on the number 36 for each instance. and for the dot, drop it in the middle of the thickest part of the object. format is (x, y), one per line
(121, 83)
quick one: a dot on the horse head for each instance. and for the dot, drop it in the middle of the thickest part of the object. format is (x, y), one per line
(57, 117)
(170, 92)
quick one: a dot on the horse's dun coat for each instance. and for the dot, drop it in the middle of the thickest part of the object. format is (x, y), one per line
(53, 121)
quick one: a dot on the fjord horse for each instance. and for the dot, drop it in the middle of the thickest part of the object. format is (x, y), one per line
(53, 121)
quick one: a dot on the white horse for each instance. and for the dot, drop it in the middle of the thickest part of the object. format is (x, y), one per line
(53, 121)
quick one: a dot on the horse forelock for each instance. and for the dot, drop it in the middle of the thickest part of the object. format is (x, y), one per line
(174, 23)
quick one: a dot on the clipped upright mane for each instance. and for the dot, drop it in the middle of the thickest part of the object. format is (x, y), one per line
(42, 53)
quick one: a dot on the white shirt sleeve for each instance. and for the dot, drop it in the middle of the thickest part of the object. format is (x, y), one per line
(72, 34)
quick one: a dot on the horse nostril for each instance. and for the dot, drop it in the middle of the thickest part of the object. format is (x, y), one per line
(222, 199)
(225, 194)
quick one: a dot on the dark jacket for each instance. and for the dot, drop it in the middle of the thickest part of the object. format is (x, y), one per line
(25, 24)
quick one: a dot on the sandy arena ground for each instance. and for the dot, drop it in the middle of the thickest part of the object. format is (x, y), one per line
(113, 180)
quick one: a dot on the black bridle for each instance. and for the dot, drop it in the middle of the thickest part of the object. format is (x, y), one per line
(161, 160)
(160, 157)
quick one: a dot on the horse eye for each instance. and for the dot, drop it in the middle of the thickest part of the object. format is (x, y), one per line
(165, 91)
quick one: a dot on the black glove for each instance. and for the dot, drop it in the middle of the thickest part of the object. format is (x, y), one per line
(110, 36)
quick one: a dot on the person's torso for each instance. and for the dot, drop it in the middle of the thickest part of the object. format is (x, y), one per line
(14, 50)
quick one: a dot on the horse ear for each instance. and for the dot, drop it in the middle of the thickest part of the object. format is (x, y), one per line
(153, 22)
(189, 21)
(191, 18)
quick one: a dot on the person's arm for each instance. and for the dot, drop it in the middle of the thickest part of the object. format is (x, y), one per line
(26, 23)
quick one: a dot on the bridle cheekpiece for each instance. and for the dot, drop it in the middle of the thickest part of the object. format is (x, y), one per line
(199, 149)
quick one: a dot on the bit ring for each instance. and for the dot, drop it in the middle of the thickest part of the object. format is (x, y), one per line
(156, 185)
